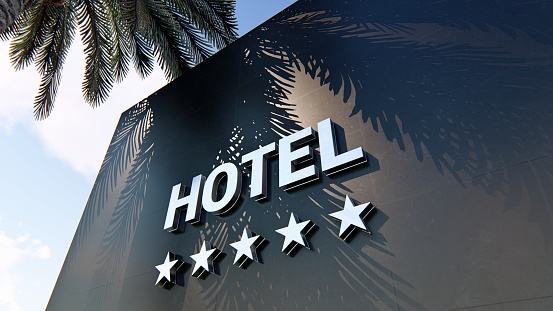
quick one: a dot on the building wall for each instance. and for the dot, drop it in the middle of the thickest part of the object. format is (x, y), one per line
(451, 102)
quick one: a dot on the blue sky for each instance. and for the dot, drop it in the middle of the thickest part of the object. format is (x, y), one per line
(48, 167)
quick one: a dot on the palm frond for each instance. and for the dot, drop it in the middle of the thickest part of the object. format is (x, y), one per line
(133, 16)
(199, 47)
(177, 34)
(224, 10)
(161, 27)
(122, 51)
(210, 16)
(51, 56)
(143, 54)
(28, 36)
(96, 36)
(10, 13)
(12, 29)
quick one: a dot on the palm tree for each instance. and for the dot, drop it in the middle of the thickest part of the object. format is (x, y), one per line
(178, 34)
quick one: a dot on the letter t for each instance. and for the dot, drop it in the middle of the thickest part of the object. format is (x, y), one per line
(258, 160)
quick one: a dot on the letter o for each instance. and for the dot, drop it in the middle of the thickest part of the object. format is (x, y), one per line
(232, 192)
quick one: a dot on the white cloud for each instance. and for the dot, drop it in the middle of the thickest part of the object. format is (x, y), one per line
(42, 251)
(17, 92)
(78, 134)
(16, 251)
(74, 133)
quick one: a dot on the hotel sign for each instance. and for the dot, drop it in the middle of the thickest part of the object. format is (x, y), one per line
(293, 152)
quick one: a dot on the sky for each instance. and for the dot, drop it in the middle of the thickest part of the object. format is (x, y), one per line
(48, 167)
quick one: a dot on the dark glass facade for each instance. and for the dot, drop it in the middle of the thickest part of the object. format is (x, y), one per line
(451, 102)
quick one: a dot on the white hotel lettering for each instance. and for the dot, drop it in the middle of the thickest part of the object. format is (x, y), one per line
(292, 150)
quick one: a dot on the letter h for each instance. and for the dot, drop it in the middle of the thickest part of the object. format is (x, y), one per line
(179, 202)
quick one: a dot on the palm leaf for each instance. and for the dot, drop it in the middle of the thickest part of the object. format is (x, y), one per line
(134, 15)
(28, 36)
(122, 51)
(199, 47)
(96, 35)
(51, 56)
(164, 32)
(176, 34)
(9, 32)
(143, 54)
(210, 16)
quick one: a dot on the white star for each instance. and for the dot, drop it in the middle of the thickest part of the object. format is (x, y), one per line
(352, 216)
(294, 233)
(204, 259)
(168, 270)
(245, 248)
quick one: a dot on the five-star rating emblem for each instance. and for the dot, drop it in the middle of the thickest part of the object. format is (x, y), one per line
(294, 233)
(246, 247)
(168, 271)
(204, 259)
(352, 217)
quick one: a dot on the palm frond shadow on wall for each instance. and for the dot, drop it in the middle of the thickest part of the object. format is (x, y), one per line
(500, 84)
(116, 201)
(499, 69)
